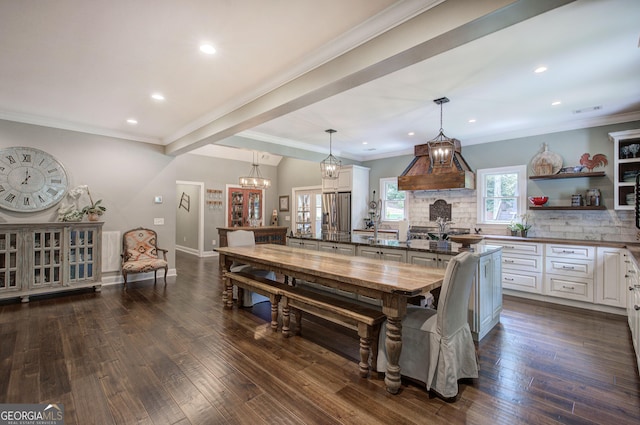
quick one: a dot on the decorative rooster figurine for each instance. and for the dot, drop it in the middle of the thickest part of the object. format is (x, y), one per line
(598, 160)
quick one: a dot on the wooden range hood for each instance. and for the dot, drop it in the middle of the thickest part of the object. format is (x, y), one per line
(420, 175)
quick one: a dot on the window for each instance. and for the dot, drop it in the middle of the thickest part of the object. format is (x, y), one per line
(394, 203)
(502, 194)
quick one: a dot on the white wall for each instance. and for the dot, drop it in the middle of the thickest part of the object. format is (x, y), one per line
(126, 175)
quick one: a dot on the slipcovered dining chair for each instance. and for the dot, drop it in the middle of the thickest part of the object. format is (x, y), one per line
(437, 346)
(247, 238)
(140, 253)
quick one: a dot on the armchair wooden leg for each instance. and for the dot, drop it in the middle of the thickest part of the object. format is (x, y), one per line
(166, 269)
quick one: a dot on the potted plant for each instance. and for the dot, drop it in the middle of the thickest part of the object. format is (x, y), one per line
(95, 209)
(523, 226)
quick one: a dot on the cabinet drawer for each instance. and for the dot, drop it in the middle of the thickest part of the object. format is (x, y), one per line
(530, 282)
(529, 248)
(569, 267)
(524, 263)
(570, 288)
(571, 251)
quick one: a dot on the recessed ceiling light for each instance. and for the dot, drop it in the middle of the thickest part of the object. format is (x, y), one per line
(472, 120)
(411, 133)
(208, 49)
(540, 69)
(555, 103)
(132, 121)
(157, 96)
(365, 143)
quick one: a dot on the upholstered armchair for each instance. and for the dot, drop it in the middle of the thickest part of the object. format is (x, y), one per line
(140, 253)
(437, 346)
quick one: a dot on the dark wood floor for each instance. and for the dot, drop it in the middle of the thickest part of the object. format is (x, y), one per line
(172, 355)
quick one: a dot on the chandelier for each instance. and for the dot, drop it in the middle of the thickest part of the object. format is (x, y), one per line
(255, 180)
(330, 166)
(441, 148)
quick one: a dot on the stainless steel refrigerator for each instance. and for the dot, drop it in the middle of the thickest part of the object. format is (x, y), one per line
(336, 215)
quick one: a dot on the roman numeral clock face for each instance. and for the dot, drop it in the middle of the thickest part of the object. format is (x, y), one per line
(30, 180)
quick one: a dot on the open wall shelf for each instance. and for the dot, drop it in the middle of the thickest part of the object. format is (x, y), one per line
(568, 176)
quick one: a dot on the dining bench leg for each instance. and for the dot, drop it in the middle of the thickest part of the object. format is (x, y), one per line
(365, 332)
(227, 294)
(275, 300)
(286, 317)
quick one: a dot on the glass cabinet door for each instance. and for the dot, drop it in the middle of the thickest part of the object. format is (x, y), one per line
(81, 255)
(47, 258)
(254, 207)
(244, 207)
(308, 217)
(9, 279)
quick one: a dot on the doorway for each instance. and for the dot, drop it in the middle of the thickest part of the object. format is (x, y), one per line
(190, 217)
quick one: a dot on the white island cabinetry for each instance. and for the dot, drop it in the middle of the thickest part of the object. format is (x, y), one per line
(379, 253)
(485, 302)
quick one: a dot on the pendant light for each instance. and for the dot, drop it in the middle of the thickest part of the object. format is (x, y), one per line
(255, 180)
(441, 148)
(330, 166)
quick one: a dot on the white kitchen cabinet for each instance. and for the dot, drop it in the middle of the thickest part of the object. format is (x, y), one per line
(485, 301)
(632, 279)
(350, 179)
(610, 286)
(337, 248)
(387, 254)
(570, 271)
(429, 259)
(303, 243)
(625, 166)
(42, 258)
(522, 265)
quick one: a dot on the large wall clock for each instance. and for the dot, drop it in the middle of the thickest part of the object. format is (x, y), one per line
(30, 180)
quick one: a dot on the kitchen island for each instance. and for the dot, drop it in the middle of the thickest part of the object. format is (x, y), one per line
(485, 303)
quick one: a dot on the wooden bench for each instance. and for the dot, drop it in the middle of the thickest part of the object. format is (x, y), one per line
(263, 286)
(366, 320)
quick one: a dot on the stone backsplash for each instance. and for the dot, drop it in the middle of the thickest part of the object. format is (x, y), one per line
(605, 225)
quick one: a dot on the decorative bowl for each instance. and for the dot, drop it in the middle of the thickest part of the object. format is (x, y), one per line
(538, 200)
(466, 240)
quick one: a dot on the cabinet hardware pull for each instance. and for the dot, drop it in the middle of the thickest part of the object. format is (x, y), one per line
(636, 307)
(568, 267)
(508, 278)
(509, 261)
(566, 251)
(568, 287)
(509, 246)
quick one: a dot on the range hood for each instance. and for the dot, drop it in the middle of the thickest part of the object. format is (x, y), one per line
(421, 175)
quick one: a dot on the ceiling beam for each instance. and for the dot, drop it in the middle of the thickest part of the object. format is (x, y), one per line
(444, 27)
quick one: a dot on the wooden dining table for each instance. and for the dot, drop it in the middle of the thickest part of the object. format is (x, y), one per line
(389, 281)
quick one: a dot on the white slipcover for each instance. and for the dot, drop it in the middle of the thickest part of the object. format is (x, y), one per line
(247, 238)
(437, 346)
